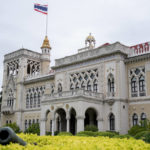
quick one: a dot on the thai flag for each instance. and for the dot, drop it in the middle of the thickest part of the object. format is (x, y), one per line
(41, 8)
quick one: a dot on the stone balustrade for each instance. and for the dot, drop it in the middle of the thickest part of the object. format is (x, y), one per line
(74, 93)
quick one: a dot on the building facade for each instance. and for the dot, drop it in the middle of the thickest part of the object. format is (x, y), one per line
(107, 86)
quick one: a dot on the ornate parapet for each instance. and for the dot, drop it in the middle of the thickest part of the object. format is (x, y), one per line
(73, 93)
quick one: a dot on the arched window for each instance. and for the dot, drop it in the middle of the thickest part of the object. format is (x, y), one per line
(89, 86)
(35, 100)
(111, 84)
(37, 120)
(28, 69)
(59, 88)
(26, 124)
(71, 86)
(33, 121)
(77, 85)
(82, 85)
(134, 86)
(143, 116)
(112, 122)
(142, 85)
(135, 119)
(31, 100)
(95, 86)
(29, 123)
(27, 101)
(39, 99)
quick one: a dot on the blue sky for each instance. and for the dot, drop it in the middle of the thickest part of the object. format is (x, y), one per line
(70, 22)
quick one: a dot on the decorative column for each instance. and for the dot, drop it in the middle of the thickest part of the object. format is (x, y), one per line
(68, 121)
(80, 123)
(53, 125)
(42, 126)
(100, 124)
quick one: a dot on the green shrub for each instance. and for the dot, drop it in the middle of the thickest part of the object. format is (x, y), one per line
(64, 134)
(14, 126)
(127, 136)
(109, 134)
(144, 135)
(50, 133)
(117, 133)
(87, 133)
(91, 128)
(136, 129)
(34, 128)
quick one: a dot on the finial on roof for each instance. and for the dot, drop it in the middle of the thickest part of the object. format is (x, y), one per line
(90, 41)
(46, 43)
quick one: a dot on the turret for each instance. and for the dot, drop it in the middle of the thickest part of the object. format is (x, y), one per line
(45, 65)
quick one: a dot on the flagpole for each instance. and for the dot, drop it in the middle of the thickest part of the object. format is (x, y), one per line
(47, 21)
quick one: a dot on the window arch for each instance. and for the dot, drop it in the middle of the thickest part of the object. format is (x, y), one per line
(89, 86)
(26, 124)
(143, 116)
(112, 122)
(35, 100)
(95, 85)
(59, 87)
(111, 86)
(142, 85)
(135, 119)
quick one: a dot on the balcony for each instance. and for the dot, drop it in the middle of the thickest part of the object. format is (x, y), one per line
(7, 110)
(74, 93)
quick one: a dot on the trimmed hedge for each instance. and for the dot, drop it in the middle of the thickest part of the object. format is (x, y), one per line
(64, 134)
(95, 134)
(87, 133)
(127, 136)
(91, 128)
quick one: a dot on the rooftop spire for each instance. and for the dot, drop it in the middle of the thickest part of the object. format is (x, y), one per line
(46, 43)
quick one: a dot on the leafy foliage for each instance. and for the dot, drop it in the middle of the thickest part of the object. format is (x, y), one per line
(136, 129)
(91, 128)
(14, 126)
(76, 143)
(144, 135)
(34, 128)
(64, 134)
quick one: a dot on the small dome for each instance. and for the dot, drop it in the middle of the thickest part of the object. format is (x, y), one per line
(90, 38)
(46, 43)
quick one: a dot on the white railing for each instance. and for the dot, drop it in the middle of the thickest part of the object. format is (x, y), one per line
(78, 92)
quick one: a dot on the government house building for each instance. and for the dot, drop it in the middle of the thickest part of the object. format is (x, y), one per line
(106, 86)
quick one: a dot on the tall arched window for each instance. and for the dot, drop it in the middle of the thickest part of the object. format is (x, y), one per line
(142, 85)
(134, 86)
(26, 124)
(30, 123)
(111, 87)
(59, 88)
(35, 100)
(83, 85)
(89, 86)
(143, 118)
(39, 99)
(77, 85)
(112, 122)
(135, 119)
(95, 86)
(31, 100)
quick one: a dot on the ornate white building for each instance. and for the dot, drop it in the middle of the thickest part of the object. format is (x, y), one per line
(107, 86)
